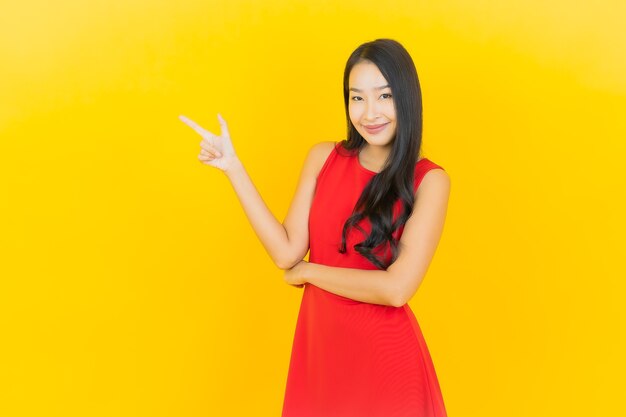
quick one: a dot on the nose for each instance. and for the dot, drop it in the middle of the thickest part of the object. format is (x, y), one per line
(372, 110)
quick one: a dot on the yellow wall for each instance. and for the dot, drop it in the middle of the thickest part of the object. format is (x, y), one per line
(132, 284)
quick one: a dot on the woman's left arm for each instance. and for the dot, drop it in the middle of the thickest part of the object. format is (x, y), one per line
(368, 286)
(397, 285)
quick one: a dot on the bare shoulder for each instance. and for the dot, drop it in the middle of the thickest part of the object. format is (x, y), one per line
(320, 152)
(435, 180)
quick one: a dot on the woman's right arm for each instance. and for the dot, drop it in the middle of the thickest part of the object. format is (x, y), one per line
(268, 229)
(286, 243)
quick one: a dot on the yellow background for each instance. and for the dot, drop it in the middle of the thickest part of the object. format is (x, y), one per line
(132, 283)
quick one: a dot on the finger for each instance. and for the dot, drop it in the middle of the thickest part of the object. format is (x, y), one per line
(195, 126)
(205, 158)
(223, 125)
(210, 149)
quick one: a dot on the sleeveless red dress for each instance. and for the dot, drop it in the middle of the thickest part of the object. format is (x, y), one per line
(350, 358)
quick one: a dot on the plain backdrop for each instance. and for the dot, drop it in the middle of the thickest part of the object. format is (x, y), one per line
(131, 283)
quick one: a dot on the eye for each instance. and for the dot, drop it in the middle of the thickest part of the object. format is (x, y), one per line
(385, 94)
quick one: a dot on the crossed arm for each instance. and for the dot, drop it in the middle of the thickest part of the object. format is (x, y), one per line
(287, 243)
(368, 286)
(397, 285)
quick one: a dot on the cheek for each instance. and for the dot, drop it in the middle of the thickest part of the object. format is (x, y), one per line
(354, 114)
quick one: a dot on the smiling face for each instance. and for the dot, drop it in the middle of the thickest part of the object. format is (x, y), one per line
(371, 105)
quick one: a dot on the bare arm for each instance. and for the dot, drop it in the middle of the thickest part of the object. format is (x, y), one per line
(368, 286)
(286, 243)
(269, 230)
(397, 285)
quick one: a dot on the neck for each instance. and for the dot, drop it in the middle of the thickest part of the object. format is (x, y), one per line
(375, 154)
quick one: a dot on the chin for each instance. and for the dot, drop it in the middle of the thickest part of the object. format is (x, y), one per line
(377, 141)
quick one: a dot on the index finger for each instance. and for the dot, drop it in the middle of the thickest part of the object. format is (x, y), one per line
(195, 126)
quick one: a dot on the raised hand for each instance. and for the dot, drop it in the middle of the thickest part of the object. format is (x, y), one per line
(217, 151)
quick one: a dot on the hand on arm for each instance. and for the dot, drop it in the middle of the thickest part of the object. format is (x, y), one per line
(368, 286)
(397, 285)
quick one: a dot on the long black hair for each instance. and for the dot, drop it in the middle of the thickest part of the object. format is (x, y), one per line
(396, 180)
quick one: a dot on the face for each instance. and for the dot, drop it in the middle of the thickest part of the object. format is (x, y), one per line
(369, 105)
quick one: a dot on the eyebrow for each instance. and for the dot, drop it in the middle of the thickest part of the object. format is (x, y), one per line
(377, 88)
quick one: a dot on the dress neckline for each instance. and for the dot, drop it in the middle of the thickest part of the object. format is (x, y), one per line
(369, 171)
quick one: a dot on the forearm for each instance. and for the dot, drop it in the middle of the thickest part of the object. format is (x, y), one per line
(368, 286)
(269, 230)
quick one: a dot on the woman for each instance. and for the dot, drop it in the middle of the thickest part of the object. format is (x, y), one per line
(371, 211)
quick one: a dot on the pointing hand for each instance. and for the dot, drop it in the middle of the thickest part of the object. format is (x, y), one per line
(217, 151)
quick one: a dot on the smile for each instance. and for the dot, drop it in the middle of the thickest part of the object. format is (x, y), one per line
(375, 128)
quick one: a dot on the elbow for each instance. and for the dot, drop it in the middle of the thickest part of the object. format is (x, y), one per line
(400, 295)
(403, 297)
(404, 290)
(285, 264)
(291, 259)
(398, 301)
(281, 264)
(396, 298)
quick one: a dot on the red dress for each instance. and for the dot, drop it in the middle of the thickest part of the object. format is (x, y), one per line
(350, 358)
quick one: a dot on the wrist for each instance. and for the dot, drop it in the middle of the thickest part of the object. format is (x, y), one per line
(234, 165)
(308, 272)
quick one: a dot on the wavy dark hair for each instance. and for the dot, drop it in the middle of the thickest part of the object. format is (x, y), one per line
(396, 179)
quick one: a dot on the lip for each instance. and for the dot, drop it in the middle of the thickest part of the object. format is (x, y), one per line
(375, 128)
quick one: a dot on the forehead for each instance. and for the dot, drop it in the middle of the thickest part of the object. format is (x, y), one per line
(365, 76)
